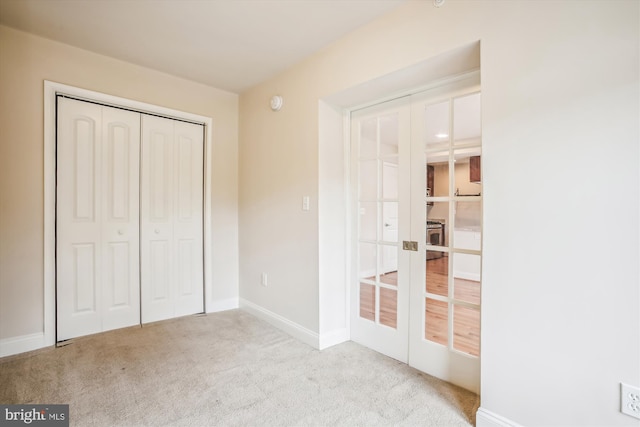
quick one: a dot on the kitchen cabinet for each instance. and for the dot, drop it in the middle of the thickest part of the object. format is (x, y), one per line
(430, 182)
(475, 174)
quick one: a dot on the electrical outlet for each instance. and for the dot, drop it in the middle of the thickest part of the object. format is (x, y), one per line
(264, 279)
(630, 400)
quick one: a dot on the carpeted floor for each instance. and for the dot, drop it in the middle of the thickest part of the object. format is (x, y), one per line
(228, 369)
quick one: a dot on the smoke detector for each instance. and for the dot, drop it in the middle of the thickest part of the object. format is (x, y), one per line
(276, 103)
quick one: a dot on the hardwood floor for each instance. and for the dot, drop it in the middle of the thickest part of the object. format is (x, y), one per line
(466, 321)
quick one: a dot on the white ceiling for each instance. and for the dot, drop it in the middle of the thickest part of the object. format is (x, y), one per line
(228, 44)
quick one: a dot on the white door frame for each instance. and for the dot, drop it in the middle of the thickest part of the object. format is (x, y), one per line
(445, 84)
(51, 89)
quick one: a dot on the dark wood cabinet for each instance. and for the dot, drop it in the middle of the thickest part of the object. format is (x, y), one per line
(430, 182)
(475, 174)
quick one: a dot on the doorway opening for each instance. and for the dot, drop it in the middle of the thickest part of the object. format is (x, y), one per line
(52, 90)
(416, 231)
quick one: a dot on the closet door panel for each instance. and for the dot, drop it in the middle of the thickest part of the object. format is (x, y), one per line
(188, 229)
(120, 218)
(172, 203)
(97, 276)
(78, 229)
(157, 269)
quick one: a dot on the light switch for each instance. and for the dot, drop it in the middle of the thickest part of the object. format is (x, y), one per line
(305, 203)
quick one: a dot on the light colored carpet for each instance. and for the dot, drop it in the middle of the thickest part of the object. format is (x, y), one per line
(228, 368)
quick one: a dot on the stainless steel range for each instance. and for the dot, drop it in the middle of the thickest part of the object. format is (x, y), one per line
(435, 236)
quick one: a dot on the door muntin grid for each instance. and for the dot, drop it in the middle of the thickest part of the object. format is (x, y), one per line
(451, 295)
(378, 201)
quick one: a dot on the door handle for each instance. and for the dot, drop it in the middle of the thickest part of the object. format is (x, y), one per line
(409, 245)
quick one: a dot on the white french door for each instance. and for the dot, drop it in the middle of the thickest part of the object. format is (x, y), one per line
(171, 212)
(129, 218)
(380, 160)
(97, 230)
(426, 311)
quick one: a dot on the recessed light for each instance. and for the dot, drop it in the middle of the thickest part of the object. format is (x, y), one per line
(442, 135)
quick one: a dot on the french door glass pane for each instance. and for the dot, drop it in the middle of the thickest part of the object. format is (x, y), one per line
(390, 221)
(388, 307)
(388, 264)
(437, 273)
(436, 327)
(367, 301)
(466, 329)
(389, 180)
(466, 277)
(467, 122)
(388, 133)
(367, 261)
(438, 211)
(436, 119)
(438, 175)
(378, 188)
(368, 180)
(368, 220)
(390, 278)
(468, 218)
(467, 172)
(466, 290)
(369, 138)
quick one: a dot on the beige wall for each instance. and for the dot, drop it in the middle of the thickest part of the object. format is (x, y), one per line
(25, 62)
(560, 99)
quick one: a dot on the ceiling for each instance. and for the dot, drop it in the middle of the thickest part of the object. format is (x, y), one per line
(227, 44)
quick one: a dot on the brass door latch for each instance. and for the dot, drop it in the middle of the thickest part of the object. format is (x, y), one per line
(409, 245)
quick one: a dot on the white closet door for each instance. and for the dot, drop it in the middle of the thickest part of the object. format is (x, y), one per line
(171, 228)
(97, 231)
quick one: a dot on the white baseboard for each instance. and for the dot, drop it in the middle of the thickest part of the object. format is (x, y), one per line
(467, 275)
(21, 344)
(222, 305)
(332, 338)
(486, 418)
(299, 332)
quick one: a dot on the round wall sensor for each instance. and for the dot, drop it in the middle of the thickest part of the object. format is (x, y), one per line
(276, 103)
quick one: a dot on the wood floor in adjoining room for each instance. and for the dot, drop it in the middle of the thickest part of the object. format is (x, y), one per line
(466, 320)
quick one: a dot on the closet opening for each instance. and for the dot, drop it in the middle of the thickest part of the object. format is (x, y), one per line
(140, 181)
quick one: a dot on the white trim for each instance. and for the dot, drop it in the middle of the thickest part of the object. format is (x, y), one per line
(297, 331)
(50, 91)
(417, 89)
(346, 147)
(222, 305)
(457, 274)
(333, 338)
(21, 344)
(486, 418)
